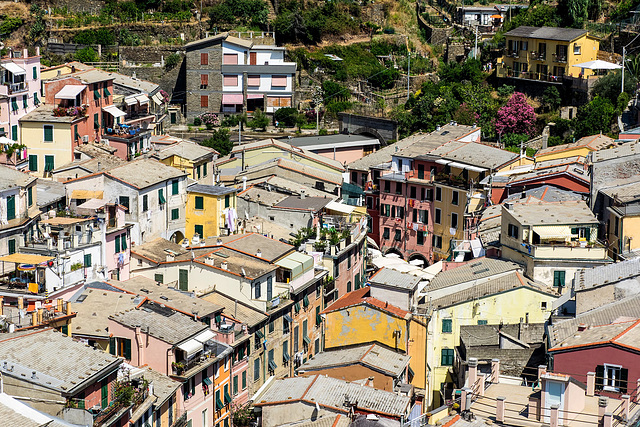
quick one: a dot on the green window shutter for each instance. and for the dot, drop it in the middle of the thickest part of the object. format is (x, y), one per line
(14, 104)
(235, 384)
(104, 393)
(33, 163)
(305, 301)
(87, 260)
(175, 213)
(227, 396)
(123, 241)
(11, 207)
(159, 278)
(12, 246)
(127, 349)
(14, 133)
(447, 325)
(36, 100)
(574, 230)
(117, 248)
(174, 187)
(482, 322)
(106, 92)
(48, 163)
(145, 203)
(25, 101)
(35, 73)
(244, 380)
(204, 169)
(161, 199)
(198, 172)
(48, 133)
(199, 230)
(199, 202)
(96, 94)
(30, 196)
(96, 121)
(226, 201)
(112, 345)
(587, 234)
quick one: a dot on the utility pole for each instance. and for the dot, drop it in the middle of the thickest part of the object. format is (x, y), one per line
(408, 72)
(475, 49)
(624, 51)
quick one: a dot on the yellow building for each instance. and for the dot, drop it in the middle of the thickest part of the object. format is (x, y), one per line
(486, 291)
(191, 158)
(581, 147)
(357, 318)
(621, 218)
(547, 53)
(49, 139)
(206, 207)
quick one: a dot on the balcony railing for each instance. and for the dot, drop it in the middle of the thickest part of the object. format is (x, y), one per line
(559, 58)
(17, 87)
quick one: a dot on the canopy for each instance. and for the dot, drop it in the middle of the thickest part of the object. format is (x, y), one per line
(70, 91)
(232, 98)
(142, 99)
(93, 204)
(496, 16)
(4, 140)
(290, 264)
(19, 258)
(204, 336)
(86, 194)
(114, 111)
(340, 207)
(130, 100)
(599, 64)
(553, 231)
(157, 98)
(190, 347)
(255, 96)
(13, 68)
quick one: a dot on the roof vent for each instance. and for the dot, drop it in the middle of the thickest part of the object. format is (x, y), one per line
(582, 327)
(259, 253)
(224, 266)
(33, 375)
(219, 241)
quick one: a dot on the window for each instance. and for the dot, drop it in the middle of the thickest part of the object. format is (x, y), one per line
(231, 80)
(12, 246)
(48, 133)
(48, 163)
(124, 201)
(96, 121)
(438, 194)
(454, 198)
(385, 233)
(174, 187)
(145, 203)
(423, 216)
(447, 325)
(199, 230)
(400, 212)
(205, 419)
(199, 202)
(29, 196)
(256, 291)
(398, 188)
(438, 214)
(204, 59)
(204, 101)
(349, 262)
(253, 80)
(25, 101)
(14, 104)
(159, 278)
(454, 220)
(244, 380)
(197, 172)
(175, 214)
(576, 49)
(36, 101)
(612, 378)
(256, 370)
(543, 305)
(420, 238)
(35, 73)
(387, 186)
(412, 192)
(227, 201)
(230, 59)
(33, 163)
(235, 385)
(446, 357)
(87, 260)
(269, 288)
(420, 171)
(204, 81)
(270, 362)
(437, 241)
(204, 169)
(398, 235)
(513, 231)
(161, 199)
(558, 278)
(524, 45)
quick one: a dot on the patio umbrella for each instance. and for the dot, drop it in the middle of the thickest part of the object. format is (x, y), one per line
(496, 16)
(599, 64)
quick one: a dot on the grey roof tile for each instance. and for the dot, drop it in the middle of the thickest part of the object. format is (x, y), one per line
(473, 270)
(236, 309)
(548, 33)
(558, 213)
(394, 278)
(171, 329)
(588, 278)
(144, 173)
(213, 190)
(373, 356)
(11, 178)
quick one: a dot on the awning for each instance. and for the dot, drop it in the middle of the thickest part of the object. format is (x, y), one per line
(340, 207)
(259, 334)
(279, 81)
(305, 301)
(553, 231)
(294, 266)
(13, 68)
(142, 99)
(70, 91)
(19, 258)
(86, 194)
(207, 381)
(287, 318)
(253, 81)
(232, 99)
(255, 96)
(130, 100)
(114, 111)
(157, 98)
(443, 161)
(190, 347)
(93, 204)
(204, 336)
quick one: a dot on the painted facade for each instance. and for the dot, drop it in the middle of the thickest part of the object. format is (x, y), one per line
(205, 211)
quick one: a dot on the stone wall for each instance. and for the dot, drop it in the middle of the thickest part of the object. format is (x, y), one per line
(434, 35)
(214, 89)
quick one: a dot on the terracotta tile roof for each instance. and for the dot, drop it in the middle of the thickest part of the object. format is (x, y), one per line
(361, 296)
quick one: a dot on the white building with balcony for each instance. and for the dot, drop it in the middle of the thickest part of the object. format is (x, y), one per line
(552, 240)
(19, 89)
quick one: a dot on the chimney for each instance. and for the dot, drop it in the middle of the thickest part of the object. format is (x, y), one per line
(33, 375)
(67, 309)
(20, 303)
(219, 242)
(244, 183)
(25, 53)
(37, 50)
(140, 344)
(302, 195)
(40, 315)
(99, 166)
(224, 266)
(259, 253)
(34, 318)
(582, 327)
(210, 261)
(170, 257)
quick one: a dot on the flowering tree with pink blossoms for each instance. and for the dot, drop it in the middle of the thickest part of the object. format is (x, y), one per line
(516, 116)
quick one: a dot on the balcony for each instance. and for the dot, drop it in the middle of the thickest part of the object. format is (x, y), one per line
(562, 58)
(542, 56)
(17, 87)
(569, 250)
(451, 180)
(122, 405)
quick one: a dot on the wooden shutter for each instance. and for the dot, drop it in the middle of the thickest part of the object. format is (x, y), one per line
(204, 79)
(599, 377)
(253, 58)
(204, 59)
(623, 381)
(204, 101)
(112, 346)
(127, 349)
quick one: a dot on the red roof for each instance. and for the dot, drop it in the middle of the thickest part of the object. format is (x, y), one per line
(361, 296)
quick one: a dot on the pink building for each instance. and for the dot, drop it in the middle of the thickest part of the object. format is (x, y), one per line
(343, 148)
(19, 89)
(172, 343)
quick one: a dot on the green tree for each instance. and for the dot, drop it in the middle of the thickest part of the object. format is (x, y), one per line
(594, 117)
(87, 55)
(609, 86)
(551, 98)
(286, 116)
(259, 120)
(219, 141)
(172, 61)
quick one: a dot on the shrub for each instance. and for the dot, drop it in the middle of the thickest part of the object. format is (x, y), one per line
(87, 55)
(286, 116)
(517, 116)
(323, 132)
(219, 141)
(259, 120)
(197, 121)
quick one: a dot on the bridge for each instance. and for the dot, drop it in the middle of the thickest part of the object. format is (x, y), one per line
(384, 129)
